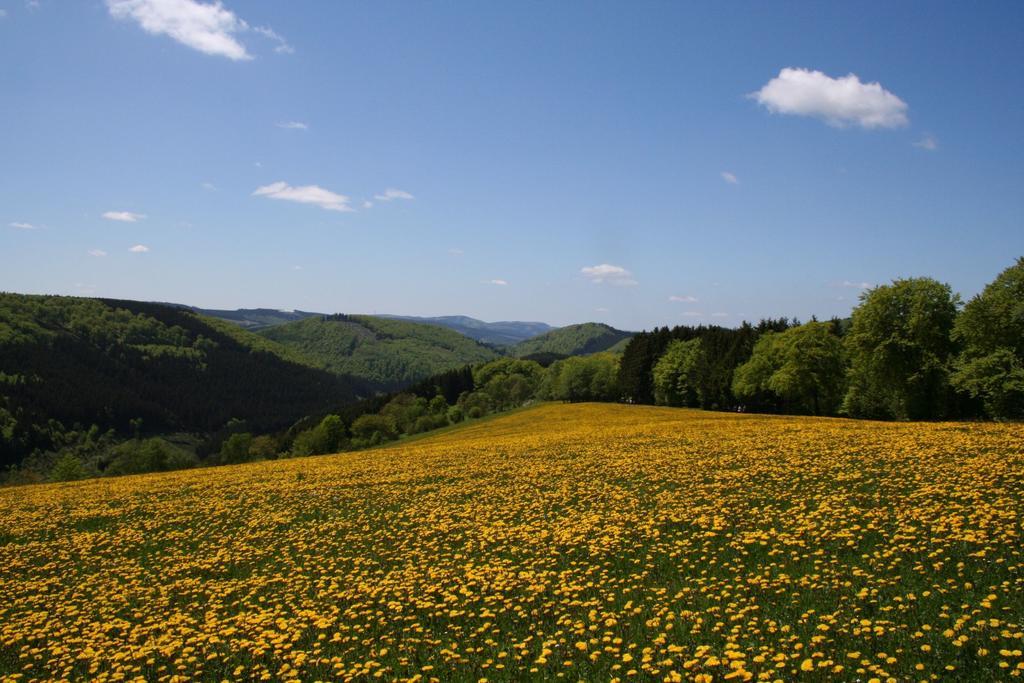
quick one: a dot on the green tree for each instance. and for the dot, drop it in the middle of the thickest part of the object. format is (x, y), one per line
(326, 437)
(508, 382)
(236, 448)
(374, 427)
(803, 366)
(69, 467)
(899, 348)
(991, 332)
(677, 374)
(263, 447)
(584, 378)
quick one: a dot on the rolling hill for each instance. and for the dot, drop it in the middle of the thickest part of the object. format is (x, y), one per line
(573, 340)
(67, 361)
(388, 353)
(503, 333)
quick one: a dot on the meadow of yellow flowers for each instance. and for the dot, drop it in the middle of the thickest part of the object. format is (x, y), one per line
(585, 542)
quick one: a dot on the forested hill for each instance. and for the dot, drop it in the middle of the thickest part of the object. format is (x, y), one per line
(574, 340)
(503, 333)
(67, 361)
(388, 353)
(254, 318)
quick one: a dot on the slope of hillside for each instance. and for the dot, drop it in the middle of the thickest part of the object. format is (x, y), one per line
(105, 362)
(386, 352)
(600, 525)
(573, 340)
(502, 333)
(254, 318)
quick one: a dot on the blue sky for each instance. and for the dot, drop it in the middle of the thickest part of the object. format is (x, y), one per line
(640, 164)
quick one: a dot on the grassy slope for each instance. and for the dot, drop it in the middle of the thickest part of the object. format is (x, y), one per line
(563, 539)
(573, 340)
(389, 353)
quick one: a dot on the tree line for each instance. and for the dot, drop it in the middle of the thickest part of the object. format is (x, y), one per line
(909, 351)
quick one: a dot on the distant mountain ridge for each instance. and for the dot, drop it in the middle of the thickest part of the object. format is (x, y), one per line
(501, 333)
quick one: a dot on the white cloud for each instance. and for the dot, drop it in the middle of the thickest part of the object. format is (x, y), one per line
(123, 216)
(391, 194)
(730, 178)
(838, 101)
(97, 252)
(684, 299)
(456, 252)
(305, 194)
(601, 309)
(209, 186)
(367, 204)
(293, 125)
(3, 13)
(927, 142)
(296, 267)
(23, 226)
(282, 46)
(607, 273)
(719, 315)
(210, 27)
(693, 314)
(139, 249)
(854, 285)
(500, 283)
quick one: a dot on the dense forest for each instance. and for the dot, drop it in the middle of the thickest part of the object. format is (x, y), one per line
(67, 364)
(386, 353)
(573, 340)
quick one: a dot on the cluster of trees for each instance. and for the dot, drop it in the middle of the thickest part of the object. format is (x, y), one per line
(909, 351)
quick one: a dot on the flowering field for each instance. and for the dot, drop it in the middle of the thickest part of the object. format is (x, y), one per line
(580, 541)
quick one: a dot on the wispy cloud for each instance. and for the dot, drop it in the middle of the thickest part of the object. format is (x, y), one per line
(23, 226)
(601, 309)
(456, 252)
(730, 178)
(209, 28)
(209, 186)
(837, 101)
(3, 13)
(684, 299)
(607, 273)
(500, 283)
(392, 194)
(927, 142)
(124, 216)
(97, 252)
(282, 46)
(293, 125)
(719, 315)
(306, 194)
(139, 249)
(693, 314)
